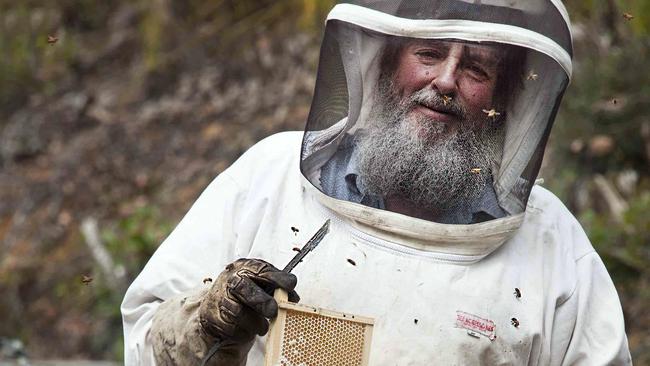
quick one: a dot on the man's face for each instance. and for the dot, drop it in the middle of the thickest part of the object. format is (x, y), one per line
(428, 140)
(446, 82)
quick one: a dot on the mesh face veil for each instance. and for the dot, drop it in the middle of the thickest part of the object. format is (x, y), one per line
(444, 104)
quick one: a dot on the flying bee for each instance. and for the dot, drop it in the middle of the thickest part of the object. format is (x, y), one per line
(52, 39)
(628, 16)
(517, 293)
(492, 113)
(86, 279)
(515, 322)
(446, 99)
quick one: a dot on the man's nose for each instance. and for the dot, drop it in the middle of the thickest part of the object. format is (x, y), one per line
(446, 78)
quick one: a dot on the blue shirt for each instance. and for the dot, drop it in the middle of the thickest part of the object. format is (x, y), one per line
(340, 179)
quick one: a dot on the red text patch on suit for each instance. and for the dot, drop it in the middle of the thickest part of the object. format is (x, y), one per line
(476, 324)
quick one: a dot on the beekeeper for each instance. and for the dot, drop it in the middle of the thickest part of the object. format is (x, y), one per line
(423, 145)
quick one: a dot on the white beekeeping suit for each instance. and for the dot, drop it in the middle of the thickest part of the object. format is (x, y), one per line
(501, 275)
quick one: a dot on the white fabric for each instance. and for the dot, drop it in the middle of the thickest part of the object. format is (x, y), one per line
(569, 312)
(451, 28)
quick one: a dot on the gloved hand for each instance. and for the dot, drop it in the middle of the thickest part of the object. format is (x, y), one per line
(240, 301)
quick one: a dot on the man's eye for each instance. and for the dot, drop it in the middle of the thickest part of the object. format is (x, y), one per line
(430, 54)
(477, 72)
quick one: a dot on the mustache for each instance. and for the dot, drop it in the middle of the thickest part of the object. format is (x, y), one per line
(434, 100)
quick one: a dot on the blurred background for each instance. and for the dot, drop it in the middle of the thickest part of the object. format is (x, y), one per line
(114, 115)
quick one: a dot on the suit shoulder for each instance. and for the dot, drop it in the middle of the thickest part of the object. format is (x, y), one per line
(271, 158)
(282, 143)
(548, 212)
(543, 199)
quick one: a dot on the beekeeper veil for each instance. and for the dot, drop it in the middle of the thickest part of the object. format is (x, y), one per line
(446, 104)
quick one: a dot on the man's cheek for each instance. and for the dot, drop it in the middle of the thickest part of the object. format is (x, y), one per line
(479, 98)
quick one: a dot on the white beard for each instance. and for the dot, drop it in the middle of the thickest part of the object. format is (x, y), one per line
(417, 159)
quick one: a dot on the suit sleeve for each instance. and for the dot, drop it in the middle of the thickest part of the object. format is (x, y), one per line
(589, 327)
(202, 244)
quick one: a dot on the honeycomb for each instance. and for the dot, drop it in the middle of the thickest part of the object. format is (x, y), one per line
(317, 340)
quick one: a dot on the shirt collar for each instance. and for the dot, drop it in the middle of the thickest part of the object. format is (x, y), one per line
(485, 208)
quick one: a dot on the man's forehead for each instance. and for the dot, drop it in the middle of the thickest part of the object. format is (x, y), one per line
(485, 52)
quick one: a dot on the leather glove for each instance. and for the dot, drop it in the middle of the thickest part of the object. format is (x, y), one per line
(238, 304)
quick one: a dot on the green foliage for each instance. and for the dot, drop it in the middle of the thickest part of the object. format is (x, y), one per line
(255, 14)
(314, 11)
(589, 108)
(635, 236)
(131, 242)
(152, 29)
(624, 247)
(20, 51)
(640, 9)
(135, 238)
(561, 182)
(608, 14)
(30, 65)
(609, 96)
(227, 24)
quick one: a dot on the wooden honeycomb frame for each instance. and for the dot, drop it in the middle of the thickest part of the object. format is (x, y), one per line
(304, 335)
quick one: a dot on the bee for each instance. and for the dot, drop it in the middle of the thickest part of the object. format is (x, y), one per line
(614, 101)
(295, 230)
(628, 16)
(415, 321)
(476, 170)
(352, 262)
(206, 280)
(532, 75)
(491, 113)
(515, 322)
(446, 99)
(52, 39)
(296, 249)
(86, 279)
(517, 293)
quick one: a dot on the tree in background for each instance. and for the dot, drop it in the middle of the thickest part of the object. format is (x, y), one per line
(600, 148)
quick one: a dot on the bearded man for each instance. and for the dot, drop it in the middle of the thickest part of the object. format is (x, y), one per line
(422, 147)
(430, 144)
